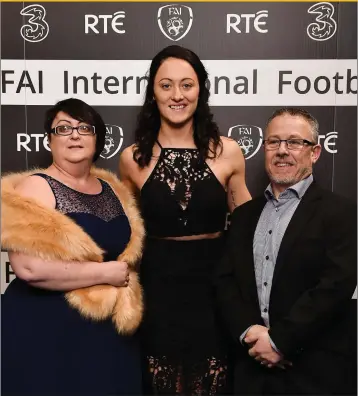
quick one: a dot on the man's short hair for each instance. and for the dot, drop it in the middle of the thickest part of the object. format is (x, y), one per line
(294, 111)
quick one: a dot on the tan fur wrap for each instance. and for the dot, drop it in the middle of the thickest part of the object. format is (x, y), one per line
(31, 228)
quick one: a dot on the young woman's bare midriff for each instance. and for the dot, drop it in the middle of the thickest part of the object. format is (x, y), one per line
(193, 237)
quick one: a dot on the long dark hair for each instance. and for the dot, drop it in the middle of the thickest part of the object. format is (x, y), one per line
(206, 131)
(80, 111)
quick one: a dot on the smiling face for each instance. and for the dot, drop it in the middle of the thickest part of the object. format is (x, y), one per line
(287, 167)
(75, 147)
(176, 91)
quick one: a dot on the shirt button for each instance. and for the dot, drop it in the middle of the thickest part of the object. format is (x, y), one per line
(265, 283)
(267, 257)
(270, 232)
(265, 310)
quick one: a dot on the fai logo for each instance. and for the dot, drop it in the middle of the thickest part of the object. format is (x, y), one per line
(249, 138)
(113, 142)
(325, 26)
(36, 29)
(175, 21)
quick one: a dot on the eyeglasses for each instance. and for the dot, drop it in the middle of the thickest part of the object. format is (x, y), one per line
(292, 144)
(66, 130)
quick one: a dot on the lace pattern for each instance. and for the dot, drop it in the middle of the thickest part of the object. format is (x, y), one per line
(104, 205)
(180, 169)
(208, 377)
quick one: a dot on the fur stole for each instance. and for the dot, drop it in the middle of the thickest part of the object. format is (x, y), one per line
(31, 228)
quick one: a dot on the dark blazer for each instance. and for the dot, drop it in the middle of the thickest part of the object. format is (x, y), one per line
(312, 314)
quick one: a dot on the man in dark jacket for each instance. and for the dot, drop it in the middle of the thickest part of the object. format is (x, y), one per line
(286, 281)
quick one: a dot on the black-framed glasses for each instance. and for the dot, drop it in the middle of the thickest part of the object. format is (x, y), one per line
(66, 130)
(292, 144)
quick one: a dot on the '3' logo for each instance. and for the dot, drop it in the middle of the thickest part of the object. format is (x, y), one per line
(36, 29)
(325, 26)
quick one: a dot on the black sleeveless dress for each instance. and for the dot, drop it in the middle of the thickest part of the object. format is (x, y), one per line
(183, 347)
(48, 348)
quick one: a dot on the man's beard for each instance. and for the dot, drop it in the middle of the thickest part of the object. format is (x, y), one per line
(291, 180)
(284, 180)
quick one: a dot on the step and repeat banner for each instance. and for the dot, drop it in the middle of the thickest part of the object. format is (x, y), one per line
(260, 56)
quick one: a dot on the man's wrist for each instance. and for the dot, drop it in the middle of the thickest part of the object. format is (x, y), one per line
(243, 335)
(274, 346)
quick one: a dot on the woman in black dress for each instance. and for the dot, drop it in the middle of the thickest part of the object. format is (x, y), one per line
(68, 318)
(185, 175)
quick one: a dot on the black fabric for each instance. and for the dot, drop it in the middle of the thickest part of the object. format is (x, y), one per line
(48, 348)
(182, 196)
(183, 345)
(312, 314)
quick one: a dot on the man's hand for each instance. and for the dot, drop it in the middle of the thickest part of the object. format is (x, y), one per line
(254, 332)
(262, 350)
(282, 364)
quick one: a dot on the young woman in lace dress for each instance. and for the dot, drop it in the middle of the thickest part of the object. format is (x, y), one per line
(185, 175)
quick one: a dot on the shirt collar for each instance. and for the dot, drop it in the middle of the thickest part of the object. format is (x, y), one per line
(299, 188)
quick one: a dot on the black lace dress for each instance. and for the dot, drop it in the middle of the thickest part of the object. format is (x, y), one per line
(184, 350)
(48, 348)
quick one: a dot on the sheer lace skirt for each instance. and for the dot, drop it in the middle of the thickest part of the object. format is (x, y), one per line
(184, 350)
(205, 377)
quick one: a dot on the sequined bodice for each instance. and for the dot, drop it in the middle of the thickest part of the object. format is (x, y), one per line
(182, 196)
(100, 215)
(104, 205)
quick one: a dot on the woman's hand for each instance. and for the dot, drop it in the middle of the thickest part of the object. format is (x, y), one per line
(116, 273)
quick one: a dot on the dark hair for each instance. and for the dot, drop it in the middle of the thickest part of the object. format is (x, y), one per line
(80, 111)
(294, 111)
(206, 131)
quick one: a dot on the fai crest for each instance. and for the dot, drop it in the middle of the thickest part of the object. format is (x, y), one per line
(113, 141)
(175, 21)
(249, 138)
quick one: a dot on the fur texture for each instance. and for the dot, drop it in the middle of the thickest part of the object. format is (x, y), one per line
(31, 228)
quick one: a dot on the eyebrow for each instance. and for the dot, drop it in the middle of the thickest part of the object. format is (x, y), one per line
(289, 137)
(64, 121)
(169, 79)
(80, 122)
